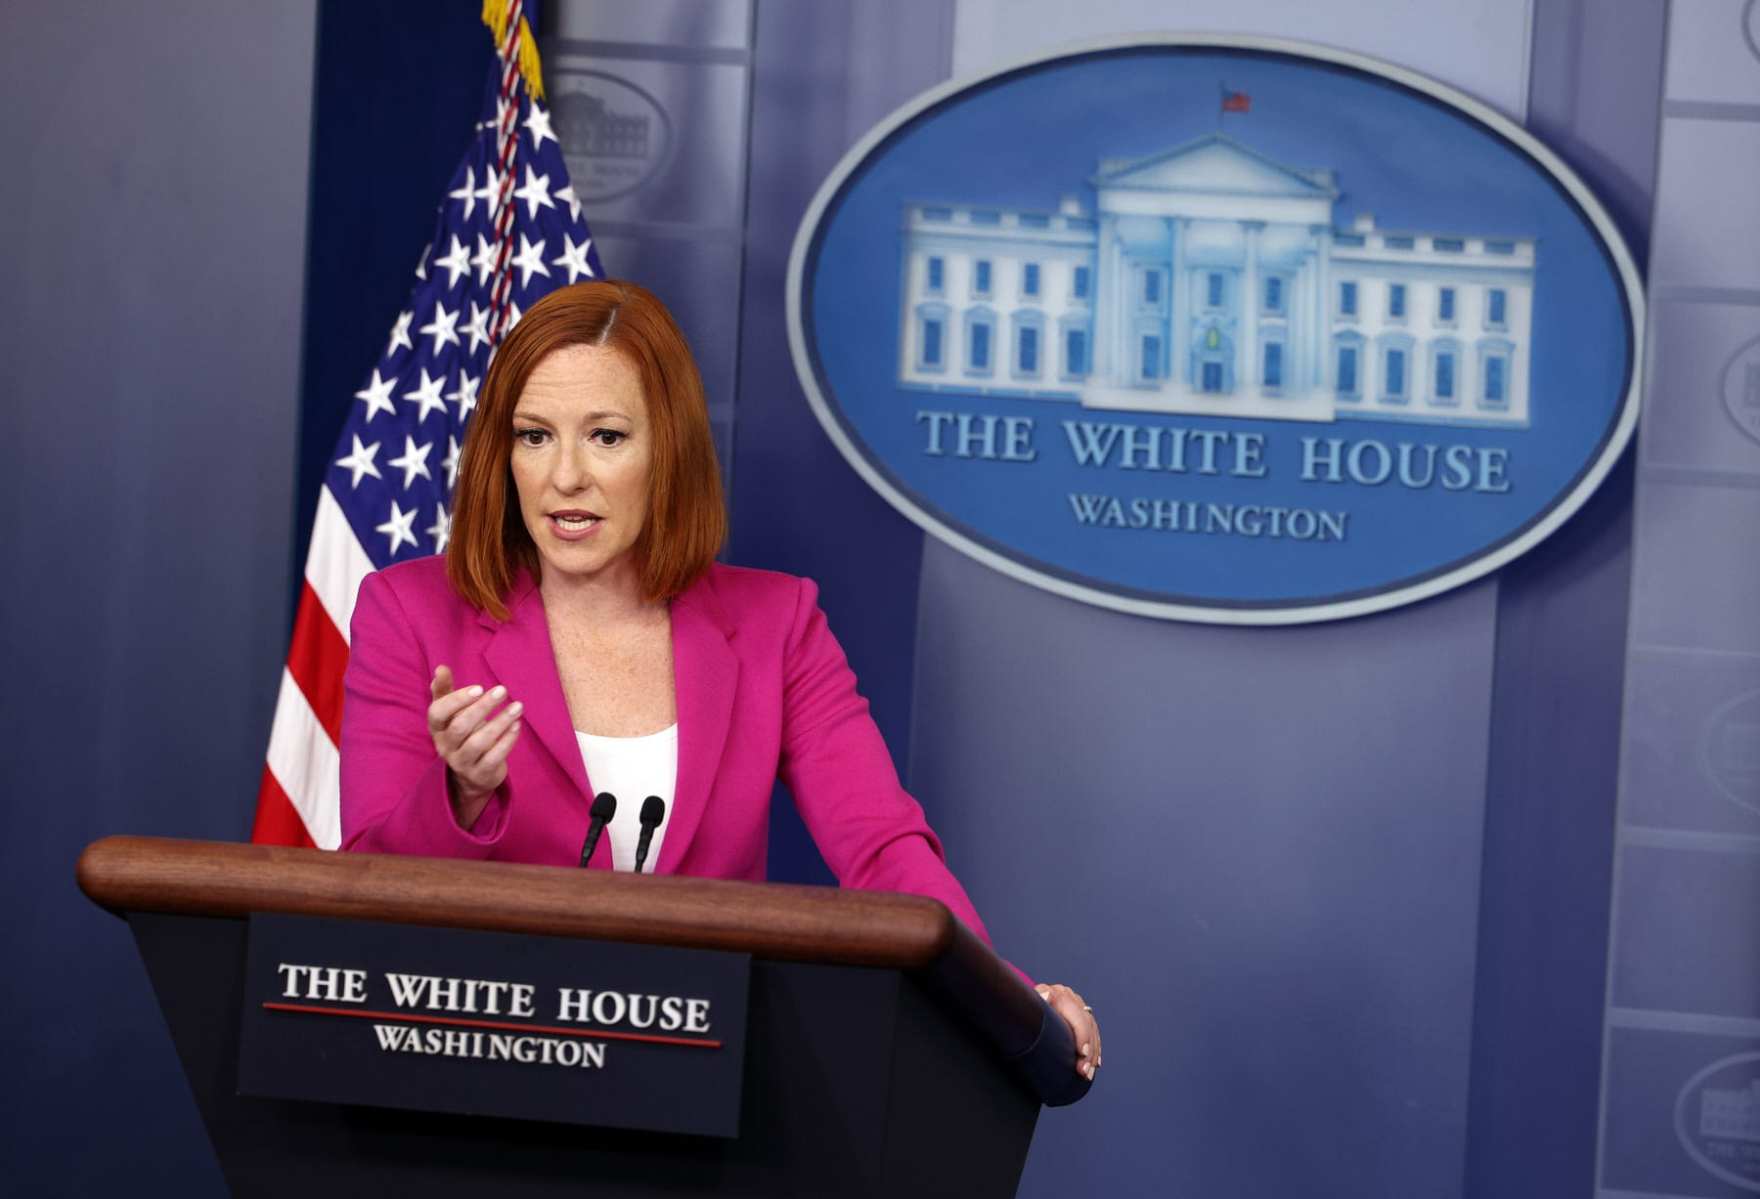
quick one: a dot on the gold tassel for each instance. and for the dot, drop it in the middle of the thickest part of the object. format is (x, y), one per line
(530, 69)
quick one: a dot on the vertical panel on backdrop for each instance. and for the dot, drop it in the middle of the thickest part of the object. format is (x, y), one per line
(1681, 1077)
(650, 103)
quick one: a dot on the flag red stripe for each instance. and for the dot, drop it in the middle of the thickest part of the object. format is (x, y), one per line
(278, 821)
(317, 659)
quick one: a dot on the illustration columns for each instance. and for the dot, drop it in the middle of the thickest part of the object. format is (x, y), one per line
(1106, 359)
(1247, 346)
(1322, 322)
(1179, 365)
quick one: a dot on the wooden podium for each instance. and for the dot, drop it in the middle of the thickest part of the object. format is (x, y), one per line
(888, 1051)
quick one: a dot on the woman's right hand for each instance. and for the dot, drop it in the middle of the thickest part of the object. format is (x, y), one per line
(473, 743)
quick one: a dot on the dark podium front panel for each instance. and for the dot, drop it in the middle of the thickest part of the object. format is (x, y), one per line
(857, 1082)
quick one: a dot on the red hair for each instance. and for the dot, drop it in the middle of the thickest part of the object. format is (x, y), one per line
(686, 521)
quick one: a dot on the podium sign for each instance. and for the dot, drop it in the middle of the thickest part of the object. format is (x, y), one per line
(483, 1023)
(890, 1051)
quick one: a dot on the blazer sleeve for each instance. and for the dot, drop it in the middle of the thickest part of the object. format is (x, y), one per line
(394, 793)
(870, 831)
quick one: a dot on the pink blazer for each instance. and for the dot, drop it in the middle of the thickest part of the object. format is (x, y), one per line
(764, 691)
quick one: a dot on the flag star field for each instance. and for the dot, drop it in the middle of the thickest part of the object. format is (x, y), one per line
(395, 464)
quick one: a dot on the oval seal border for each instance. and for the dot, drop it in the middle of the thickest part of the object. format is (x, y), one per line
(1499, 554)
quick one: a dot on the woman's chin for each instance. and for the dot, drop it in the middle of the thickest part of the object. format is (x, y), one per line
(577, 562)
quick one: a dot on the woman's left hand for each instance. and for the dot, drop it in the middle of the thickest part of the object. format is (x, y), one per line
(1082, 1025)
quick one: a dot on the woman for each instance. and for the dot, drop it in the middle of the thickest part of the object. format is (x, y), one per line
(579, 627)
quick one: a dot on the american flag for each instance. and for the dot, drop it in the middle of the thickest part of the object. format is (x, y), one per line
(509, 230)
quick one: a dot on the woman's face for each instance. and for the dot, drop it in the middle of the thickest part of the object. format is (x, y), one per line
(582, 446)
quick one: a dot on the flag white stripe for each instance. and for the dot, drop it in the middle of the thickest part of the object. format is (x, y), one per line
(335, 563)
(306, 764)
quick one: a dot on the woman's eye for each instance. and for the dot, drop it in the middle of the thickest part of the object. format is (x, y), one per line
(608, 437)
(529, 437)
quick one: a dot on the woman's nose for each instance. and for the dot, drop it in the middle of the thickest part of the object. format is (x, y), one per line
(570, 473)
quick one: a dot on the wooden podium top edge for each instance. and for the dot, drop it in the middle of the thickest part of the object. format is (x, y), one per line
(826, 925)
(768, 920)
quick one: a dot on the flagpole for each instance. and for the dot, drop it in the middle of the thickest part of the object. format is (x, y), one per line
(509, 114)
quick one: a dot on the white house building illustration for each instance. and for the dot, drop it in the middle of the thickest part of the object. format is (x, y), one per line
(1211, 281)
(1731, 1114)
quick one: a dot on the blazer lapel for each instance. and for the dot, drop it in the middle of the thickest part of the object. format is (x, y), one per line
(520, 654)
(705, 674)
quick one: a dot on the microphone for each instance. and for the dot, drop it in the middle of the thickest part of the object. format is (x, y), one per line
(603, 809)
(653, 812)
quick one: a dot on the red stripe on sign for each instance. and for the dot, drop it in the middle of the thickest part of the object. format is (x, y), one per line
(278, 821)
(413, 1018)
(317, 659)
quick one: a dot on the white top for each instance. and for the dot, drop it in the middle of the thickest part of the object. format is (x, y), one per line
(633, 768)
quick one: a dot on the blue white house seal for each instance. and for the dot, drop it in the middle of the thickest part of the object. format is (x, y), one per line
(1218, 329)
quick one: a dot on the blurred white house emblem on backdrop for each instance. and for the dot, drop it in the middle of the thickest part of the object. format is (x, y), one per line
(615, 136)
(1741, 388)
(1729, 750)
(1717, 1119)
(1222, 329)
(1210, 280)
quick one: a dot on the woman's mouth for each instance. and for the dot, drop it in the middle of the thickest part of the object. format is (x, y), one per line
(573, 524)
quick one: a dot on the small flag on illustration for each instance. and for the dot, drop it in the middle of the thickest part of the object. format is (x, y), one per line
(1236, 101)
(509, 230)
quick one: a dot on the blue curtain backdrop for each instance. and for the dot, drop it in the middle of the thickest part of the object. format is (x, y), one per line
(154, 191)
(217, 214)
